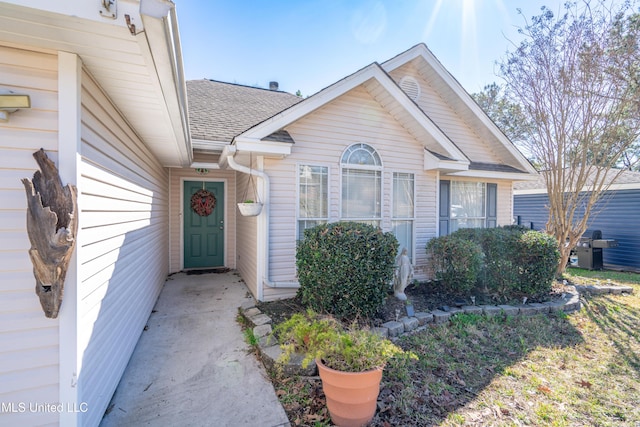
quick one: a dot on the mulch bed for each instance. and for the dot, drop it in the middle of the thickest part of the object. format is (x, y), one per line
(425, 297)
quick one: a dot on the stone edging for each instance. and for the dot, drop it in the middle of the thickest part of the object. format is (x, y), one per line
(570, 302)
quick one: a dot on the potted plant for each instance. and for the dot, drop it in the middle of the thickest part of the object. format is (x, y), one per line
(350, 362)
(250, 208)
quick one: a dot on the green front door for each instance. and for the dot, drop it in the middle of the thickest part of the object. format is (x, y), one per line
(203, 235)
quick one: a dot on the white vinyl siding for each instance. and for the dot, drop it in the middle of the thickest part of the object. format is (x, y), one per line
(29, 352)
(321, 138)
(446, 118)
(247, 236)
(124, 204)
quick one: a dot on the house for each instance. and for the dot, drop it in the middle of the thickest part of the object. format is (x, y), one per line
(108, 105)
(398, 144)
(615, 214)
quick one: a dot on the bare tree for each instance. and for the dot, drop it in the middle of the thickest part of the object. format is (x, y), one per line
(577, 76)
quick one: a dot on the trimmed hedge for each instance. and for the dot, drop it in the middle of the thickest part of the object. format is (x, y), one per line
(456, 262)
(345, 268)
(517, 262)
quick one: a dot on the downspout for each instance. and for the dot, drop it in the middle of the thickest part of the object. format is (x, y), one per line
(262, 224)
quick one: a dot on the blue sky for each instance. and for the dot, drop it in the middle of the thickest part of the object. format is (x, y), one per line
(307, 45)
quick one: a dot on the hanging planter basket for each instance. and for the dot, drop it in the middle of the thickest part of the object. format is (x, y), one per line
(250, 208)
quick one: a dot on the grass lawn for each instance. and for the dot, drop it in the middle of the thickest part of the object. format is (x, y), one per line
(557, 370)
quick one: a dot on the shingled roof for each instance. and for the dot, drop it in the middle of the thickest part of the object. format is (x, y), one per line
(219, 111)
(626, 177)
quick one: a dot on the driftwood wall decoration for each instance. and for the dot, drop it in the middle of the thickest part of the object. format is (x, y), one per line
(52, 226)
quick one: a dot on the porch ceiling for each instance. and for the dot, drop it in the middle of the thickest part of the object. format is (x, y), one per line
(139, 69)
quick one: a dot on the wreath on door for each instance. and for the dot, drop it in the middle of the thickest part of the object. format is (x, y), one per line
(203, 202)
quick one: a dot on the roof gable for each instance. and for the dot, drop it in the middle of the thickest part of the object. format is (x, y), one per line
(432, 71)
(382, 87)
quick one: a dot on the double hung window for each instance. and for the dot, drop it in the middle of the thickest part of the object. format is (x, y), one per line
(313, 197)
(467, 204)
(361, 185)
(403, 210)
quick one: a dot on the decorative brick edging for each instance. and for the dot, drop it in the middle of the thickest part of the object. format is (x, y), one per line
(570, 302)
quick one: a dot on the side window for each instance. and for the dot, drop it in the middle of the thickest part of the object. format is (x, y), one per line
(445, 207)
(313, 197)
(403, 210)
(466, 204)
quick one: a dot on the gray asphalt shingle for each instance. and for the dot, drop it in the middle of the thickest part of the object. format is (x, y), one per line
(220, 111)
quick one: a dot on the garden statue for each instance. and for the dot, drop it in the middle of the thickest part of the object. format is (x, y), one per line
(404, 273)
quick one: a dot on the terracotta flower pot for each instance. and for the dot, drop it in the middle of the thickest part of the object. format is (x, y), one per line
(351, 396)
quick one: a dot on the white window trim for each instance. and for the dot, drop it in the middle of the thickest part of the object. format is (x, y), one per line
(413, 218)
(298, 218)
(379, 168)
(484, 204)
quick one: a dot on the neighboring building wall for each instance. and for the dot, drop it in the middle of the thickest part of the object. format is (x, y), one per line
(617, 217)
(177, 177)
(29, 357)
(123, 246)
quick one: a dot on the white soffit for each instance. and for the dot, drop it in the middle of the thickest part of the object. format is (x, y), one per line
(128, 67)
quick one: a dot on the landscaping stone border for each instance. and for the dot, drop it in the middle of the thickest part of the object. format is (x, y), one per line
(570, 302)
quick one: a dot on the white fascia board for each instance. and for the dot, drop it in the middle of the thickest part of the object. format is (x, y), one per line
(78, 8)
(406, 56)
(265, 148)
(612, 187)
(208, 145)
(308, 105)
(530, 191)
(205, 165)
(431, 162)
(373, 71)
(511, 176)
(161, 38)
(421, 50)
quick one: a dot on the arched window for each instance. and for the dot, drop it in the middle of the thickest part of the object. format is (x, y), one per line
(361, 184)
(361, 155)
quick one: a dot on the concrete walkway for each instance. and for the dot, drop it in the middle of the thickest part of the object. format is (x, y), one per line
(192, 366)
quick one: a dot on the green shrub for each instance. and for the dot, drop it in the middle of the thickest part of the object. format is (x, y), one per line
(499, 271)
(346, 350)
(538, 257)
(517, 262)
(345, 268)
(456, 262)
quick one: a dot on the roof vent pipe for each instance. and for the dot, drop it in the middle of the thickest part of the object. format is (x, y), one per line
(273, 85)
